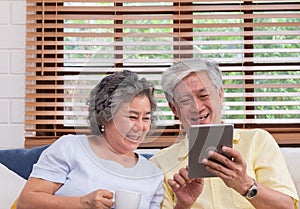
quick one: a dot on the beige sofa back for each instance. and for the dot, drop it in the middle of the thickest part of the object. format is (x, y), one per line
(292, 158)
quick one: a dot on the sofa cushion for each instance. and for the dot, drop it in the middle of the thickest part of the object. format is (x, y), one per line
(11, 186)
(21, 160)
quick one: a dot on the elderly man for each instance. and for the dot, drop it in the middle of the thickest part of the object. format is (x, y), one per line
(257, 177)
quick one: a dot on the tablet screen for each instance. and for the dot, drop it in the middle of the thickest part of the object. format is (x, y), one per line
(202, 139)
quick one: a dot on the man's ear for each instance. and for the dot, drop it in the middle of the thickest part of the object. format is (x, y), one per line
(172, 106)
(221, 94)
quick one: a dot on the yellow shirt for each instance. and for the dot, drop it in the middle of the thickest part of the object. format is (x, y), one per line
(265, 163)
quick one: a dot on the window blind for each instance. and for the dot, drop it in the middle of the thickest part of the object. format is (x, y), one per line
(72, 44)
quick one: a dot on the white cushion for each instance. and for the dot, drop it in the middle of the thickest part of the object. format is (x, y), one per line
(10, 187)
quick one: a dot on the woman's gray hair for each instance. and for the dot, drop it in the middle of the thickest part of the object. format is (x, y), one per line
(177, 72)
(113, 90)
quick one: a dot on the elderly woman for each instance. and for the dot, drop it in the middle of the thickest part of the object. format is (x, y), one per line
(80, 171)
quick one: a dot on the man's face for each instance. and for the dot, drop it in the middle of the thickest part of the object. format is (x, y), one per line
(197, 101)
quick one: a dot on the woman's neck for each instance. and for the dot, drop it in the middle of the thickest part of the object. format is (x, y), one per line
(105, 151)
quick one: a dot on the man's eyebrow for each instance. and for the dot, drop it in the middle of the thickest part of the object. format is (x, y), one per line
(199, 91)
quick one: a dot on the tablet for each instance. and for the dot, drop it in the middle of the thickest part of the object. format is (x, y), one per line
(202, 139)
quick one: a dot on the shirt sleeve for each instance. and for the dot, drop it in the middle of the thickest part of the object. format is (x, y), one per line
(157, 198)
(169, 199)
(270, 167)
(54, 163)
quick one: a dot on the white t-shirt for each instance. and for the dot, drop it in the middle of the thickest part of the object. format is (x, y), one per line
(71, 161)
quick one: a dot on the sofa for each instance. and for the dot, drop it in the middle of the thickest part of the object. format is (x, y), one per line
(16, 165)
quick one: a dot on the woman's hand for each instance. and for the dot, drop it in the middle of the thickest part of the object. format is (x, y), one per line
(99, 199)
(186, 190)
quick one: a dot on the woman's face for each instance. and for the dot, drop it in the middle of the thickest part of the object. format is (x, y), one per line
(130, 125)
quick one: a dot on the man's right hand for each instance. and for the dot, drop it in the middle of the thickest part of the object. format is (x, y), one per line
(186, 190)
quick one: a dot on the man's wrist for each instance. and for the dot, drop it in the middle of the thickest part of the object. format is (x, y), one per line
(252, 191)
(178, 206)
(182, 205)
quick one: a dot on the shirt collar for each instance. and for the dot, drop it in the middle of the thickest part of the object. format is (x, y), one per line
(183, 152)
(236, 136)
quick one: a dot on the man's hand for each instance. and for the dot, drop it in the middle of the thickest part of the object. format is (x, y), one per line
(232, 172)
(234, 175)
(186, 190)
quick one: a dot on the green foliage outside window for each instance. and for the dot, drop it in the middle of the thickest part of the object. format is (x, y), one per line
(225, 51)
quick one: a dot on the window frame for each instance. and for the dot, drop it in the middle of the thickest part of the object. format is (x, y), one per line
(285, 135)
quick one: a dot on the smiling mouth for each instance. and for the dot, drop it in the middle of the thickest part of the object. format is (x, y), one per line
(133, 138)
(201, 118)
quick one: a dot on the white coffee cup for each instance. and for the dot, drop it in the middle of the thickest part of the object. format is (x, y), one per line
(127, 199)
